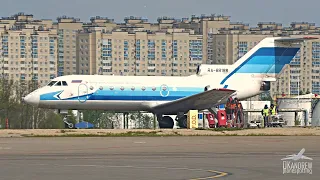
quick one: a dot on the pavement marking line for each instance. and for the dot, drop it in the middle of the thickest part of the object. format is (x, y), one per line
(5, 148)
(220, 174)
(82, 165)
(139, 142)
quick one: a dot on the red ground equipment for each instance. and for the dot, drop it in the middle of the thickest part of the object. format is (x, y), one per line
(211, 120)
(222, 118)
(229, 117)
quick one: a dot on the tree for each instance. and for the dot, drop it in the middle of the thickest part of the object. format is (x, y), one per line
(52, 121)
(308, 91)
(141, 121)
(71, 117)
(20, 114)
(301, 92)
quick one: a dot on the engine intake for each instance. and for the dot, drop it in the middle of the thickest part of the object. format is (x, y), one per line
(207, 88)
(265, 86)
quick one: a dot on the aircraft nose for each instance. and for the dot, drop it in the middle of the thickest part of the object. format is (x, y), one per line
(32, 99)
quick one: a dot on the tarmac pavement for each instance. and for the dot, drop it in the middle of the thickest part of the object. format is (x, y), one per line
(157, 158)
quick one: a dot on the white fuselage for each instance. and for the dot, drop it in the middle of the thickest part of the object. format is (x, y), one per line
(133, 93)
(145, 93)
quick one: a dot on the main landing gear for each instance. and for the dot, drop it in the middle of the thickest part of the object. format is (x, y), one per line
(167, 122)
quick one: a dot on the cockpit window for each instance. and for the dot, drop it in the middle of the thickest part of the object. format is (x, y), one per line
(64, 83)
(51, 83)
(58, 84)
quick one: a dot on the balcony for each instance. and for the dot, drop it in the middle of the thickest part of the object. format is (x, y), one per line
(107, 67)
(106, 61)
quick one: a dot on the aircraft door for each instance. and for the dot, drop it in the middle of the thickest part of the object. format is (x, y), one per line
(83, 93)
(164, 90)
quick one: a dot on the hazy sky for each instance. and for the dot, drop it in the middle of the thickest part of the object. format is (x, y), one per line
(248, 11)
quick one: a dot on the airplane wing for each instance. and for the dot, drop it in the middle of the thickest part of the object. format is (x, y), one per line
(204, 100)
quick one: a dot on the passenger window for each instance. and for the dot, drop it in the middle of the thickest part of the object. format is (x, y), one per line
(64, 83)
(51, 83)
(58, 84)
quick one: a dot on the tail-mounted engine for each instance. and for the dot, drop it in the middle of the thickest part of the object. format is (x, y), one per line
(266, 83)
(207, 88)
(265, 86)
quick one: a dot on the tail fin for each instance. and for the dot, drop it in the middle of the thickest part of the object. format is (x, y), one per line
(268, 57)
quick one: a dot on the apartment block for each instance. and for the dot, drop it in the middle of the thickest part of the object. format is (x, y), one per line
(172, 52)
(43, 49)
(29, 54)
(67, 31)
(208, 27)
(22, 20)
(228, 48)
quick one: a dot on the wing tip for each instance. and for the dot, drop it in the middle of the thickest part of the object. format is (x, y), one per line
(310, 37)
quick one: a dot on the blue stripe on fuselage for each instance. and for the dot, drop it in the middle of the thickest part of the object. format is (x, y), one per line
(134, 95)
(49, 96)
(265, 60)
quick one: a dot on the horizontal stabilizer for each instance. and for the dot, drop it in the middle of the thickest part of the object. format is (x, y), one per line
(204, 100)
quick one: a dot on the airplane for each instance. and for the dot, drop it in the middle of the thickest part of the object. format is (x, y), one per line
(298, 156)
(171, 95)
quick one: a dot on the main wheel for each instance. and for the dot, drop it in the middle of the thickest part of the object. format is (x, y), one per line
(166, 122)
(182, 122)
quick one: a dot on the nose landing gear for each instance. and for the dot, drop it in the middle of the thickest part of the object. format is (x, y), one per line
(65, 115)
(65, 120)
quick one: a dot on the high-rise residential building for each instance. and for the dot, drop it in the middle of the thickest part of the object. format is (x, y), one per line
(228, 48)
(171, 52)
(28, 49)
(28, 54)
(44, 49)
(208, 26)
(67, 33)
(98, 21)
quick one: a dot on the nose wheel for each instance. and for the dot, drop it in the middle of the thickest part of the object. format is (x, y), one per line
(65, 120)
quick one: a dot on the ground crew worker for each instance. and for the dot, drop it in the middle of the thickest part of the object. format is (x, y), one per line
(265, 114)
(229, 110)
(239, 112)
(273, 109)
(232, 107)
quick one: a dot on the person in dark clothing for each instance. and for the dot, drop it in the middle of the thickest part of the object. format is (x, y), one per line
(265, 114)
(239, 112)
